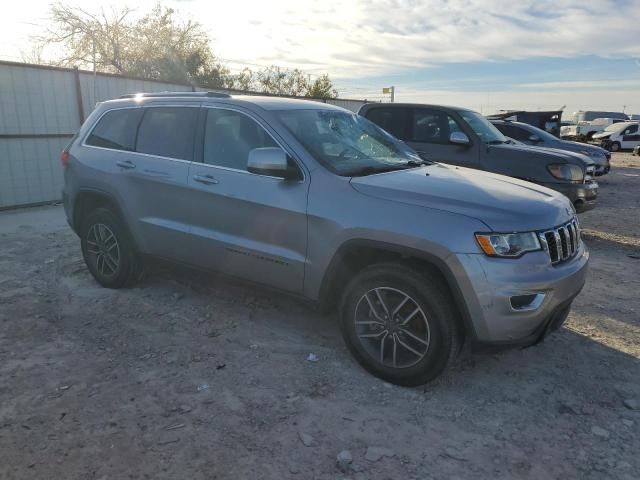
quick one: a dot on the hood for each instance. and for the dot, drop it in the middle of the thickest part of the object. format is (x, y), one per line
(602, 135)
(551, 154)
(581, 147)
(504, 204)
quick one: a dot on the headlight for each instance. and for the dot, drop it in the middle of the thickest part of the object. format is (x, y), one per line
(566, 171)
(508, 245)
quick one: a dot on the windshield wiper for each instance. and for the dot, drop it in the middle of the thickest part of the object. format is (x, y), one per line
(370, 169)
(495, 142)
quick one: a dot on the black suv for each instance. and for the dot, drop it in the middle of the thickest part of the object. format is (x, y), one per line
(463, 137)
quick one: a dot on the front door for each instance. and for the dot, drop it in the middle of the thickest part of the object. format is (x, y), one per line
(630, 136)
(248, 225)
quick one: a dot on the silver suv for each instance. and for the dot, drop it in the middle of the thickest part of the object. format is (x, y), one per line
(321, 203)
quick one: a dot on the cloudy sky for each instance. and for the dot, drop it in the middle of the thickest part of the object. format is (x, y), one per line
(484, 54)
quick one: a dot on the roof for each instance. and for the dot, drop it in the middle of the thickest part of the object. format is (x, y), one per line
(369, 106)
(265, 102)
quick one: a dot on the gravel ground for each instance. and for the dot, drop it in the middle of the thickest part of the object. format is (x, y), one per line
(193, 376)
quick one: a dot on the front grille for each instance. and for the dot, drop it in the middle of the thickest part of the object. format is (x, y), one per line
(562, 242)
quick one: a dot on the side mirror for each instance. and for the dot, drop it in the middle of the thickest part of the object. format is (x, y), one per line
(535, 138)
(459, 138)
(271, 161)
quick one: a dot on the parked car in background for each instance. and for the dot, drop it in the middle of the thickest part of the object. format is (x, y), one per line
(584, 131)
(537, 137)
(319, 202)
(463, 137)
(625, 135)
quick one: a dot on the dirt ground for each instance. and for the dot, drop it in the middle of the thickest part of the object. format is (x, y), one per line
(188, 376)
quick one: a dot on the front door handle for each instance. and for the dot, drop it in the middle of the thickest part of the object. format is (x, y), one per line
(127, 164)
(206, 179)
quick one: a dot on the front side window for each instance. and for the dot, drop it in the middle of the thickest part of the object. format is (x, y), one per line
(116, 130)
(514, 132)
(347, 144)
(630, 130)
(229, 137)
(433, 126)
(168, 132)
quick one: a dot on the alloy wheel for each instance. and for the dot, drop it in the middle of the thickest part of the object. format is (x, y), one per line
(392, 327)
(103, 247)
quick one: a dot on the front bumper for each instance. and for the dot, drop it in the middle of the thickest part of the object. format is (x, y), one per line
(489, 285)
(584, 196)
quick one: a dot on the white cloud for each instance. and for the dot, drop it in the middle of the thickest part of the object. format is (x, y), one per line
(353, 39)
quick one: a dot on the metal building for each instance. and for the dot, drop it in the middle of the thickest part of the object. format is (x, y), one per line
(41, 107)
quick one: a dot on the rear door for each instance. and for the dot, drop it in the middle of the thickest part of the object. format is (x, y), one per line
(429, 132)
(147, 152)
(244, 224)
(159, 193)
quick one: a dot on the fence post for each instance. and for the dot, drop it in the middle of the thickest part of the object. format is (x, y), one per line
(76, 74)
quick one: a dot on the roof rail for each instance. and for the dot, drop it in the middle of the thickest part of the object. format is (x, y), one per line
(177, 94)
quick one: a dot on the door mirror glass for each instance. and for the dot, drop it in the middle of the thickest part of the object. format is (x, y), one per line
(535, 138)
(271, 161)
(459, 138)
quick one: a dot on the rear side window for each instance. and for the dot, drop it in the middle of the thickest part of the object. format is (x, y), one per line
(393, 120)
(167, 132)
(116, 129)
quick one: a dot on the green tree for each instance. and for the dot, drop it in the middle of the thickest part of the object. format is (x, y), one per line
(322, 87)
(156, 46)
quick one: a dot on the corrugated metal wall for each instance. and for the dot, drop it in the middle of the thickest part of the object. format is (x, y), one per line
(40, 112)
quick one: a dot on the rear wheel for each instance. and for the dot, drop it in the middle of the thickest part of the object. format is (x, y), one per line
(107, 249)
(399, 324)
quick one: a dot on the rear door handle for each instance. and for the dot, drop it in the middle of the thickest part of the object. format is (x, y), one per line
(206, 179)
(127, 164)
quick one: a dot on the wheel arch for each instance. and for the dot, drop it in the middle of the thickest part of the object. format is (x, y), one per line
(356, 254)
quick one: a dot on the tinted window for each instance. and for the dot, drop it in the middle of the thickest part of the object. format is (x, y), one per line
(167, 132)
(393, 120)
(630, 129)
(433, 126)
(230, 136)
(516, 133)
(116, 129)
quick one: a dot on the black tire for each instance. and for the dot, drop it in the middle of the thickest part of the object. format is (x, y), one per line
(121, 269)
(615, 147)
(427, 292)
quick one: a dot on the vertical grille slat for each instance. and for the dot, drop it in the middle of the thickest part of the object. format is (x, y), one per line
(562, 242)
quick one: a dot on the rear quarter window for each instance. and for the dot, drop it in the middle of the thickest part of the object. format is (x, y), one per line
(116, 130)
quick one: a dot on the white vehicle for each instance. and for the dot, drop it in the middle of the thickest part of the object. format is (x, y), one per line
(586, 130)
(620, 135)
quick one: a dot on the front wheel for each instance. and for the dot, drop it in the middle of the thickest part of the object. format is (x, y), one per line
(615, 147)
(399, 324)
(107, 249)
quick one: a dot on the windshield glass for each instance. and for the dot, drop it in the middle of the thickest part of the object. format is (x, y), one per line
(346, 143)
(487, 132)
(614, 127)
